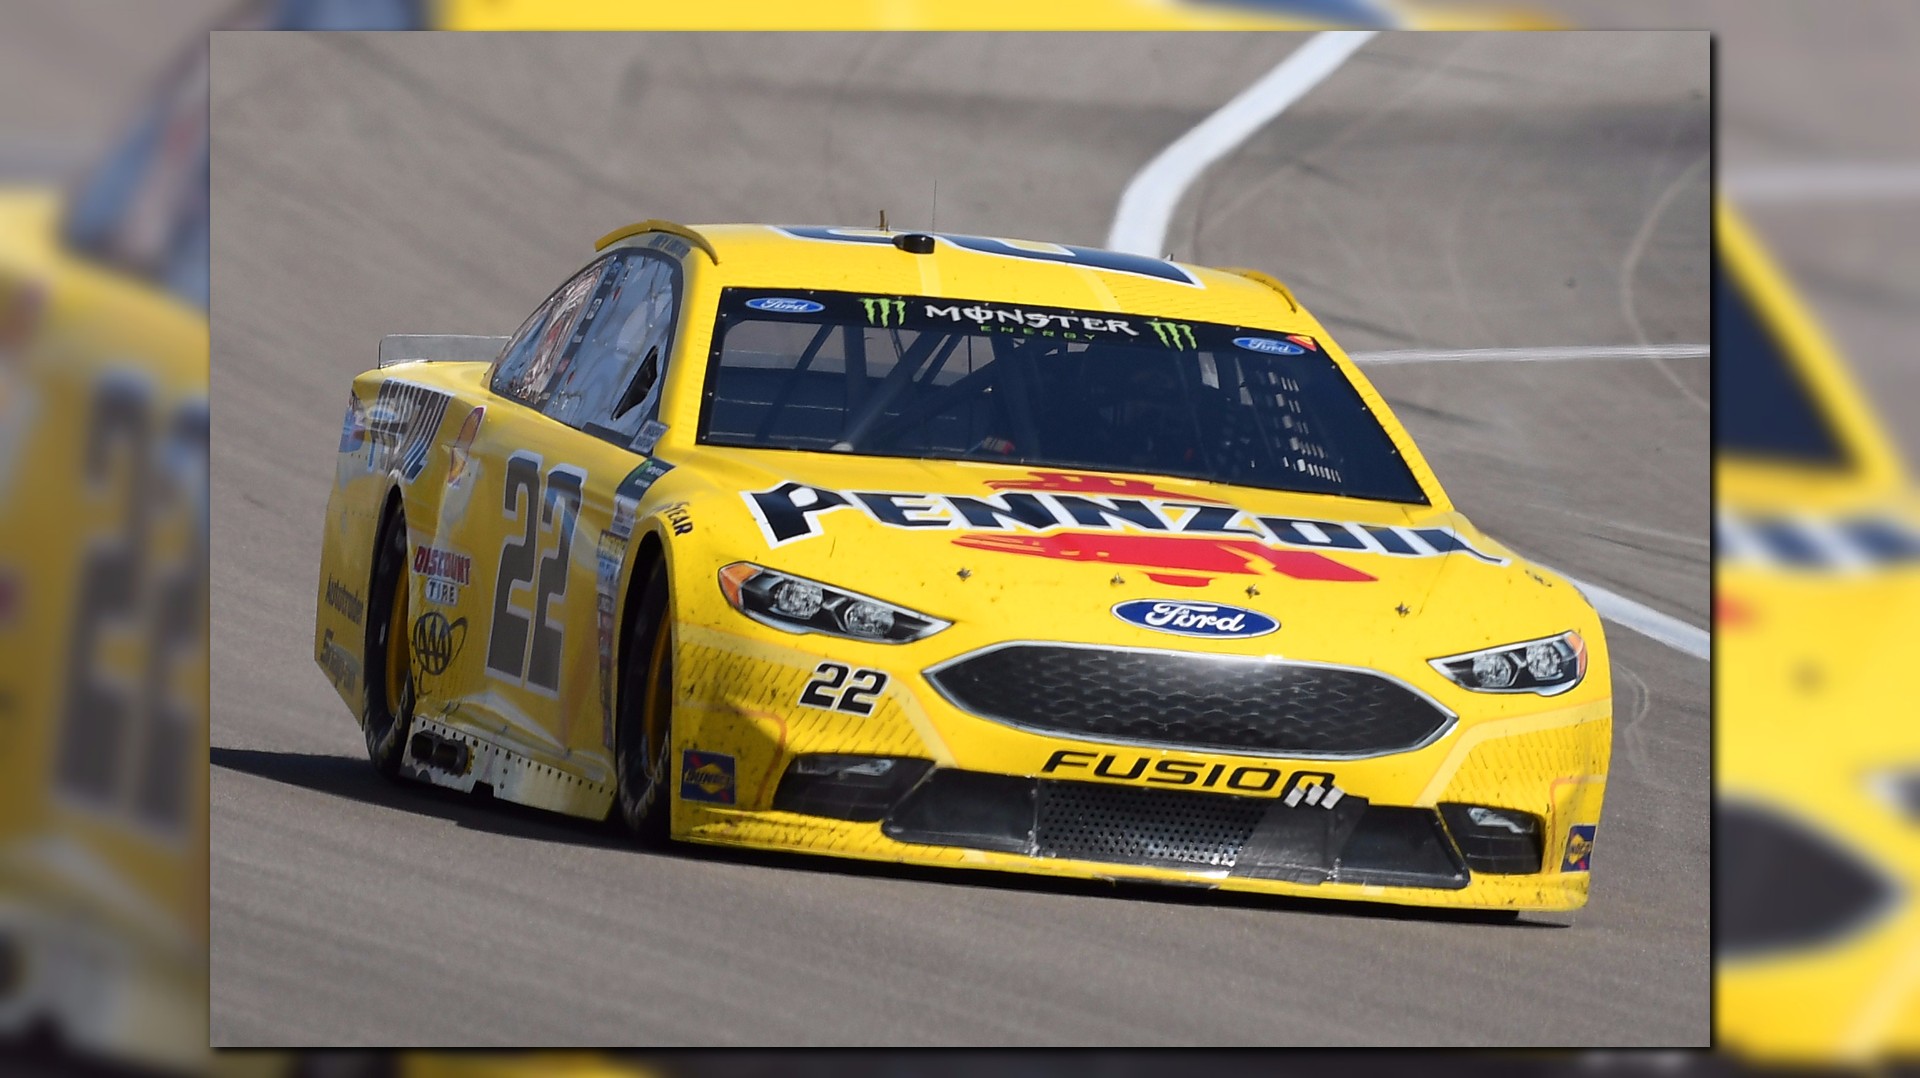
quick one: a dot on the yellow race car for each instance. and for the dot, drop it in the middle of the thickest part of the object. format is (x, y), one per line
(956, 551)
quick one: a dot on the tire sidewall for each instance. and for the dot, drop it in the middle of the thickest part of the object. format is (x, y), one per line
(644, 807)
(386, 733)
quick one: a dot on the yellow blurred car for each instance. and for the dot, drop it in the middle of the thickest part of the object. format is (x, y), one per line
(1818, 770)
(956, 550)
(103, 578)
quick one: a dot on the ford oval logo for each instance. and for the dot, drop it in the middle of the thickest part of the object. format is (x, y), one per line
(785, 305)
(1268, 344)
(1184, 618)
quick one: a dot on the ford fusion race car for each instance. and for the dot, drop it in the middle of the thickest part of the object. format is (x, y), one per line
(956, 551)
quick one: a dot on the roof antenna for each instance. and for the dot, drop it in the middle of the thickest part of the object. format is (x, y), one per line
(933, 215)
(883, 220)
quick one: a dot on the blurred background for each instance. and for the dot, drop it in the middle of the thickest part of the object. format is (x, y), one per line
(104, 526)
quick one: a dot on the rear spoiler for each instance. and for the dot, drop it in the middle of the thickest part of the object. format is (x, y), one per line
(396, 348)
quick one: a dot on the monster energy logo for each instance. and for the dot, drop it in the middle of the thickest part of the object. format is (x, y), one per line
(1172, 334)
(884, 312)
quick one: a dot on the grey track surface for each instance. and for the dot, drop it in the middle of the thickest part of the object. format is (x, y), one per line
(1804, 91)
(1440, 191)
(73, 71)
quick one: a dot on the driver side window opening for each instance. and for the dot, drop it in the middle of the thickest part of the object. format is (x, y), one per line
(593, 356)
(607, 382)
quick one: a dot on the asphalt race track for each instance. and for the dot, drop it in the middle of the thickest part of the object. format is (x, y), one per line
(1439, 191)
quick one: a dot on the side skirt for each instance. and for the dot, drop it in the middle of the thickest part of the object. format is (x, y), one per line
(460, 760)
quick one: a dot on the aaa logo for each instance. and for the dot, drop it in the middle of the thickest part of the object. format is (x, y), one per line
(436, 642)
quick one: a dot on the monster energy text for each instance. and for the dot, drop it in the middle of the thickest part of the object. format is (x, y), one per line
(1020, 320)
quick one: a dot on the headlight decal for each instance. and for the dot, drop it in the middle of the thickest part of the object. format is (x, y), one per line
(796, 604)
(1548, 666)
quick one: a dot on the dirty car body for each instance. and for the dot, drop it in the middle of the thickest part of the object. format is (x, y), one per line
(963, 552)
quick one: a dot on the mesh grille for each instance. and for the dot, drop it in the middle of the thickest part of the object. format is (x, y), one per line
(1780, 887)
(1136, 826)
(1195, 701)
(1125, 825)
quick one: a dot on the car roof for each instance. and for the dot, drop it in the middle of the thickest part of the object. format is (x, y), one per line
(964, 266)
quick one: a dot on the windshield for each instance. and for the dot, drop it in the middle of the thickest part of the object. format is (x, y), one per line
(144, 209)
(915, 376)
(1764, 408)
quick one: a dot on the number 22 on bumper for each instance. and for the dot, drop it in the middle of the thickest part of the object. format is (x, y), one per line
(832, 689)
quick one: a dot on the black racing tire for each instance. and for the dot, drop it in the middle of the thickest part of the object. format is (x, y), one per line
(387, 664)
(643, 728)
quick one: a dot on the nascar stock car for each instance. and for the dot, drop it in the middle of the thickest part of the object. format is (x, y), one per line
(956, 551)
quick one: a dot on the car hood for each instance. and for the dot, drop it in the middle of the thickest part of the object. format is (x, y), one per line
(1048, 554)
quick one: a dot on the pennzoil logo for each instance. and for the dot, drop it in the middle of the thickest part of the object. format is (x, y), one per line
(1074, 517)
(1173, 334)
(706, 776)
(884, 312)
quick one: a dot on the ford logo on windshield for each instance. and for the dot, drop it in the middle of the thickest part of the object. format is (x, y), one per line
(1268, 344)
(1182, 618)
(785, 305)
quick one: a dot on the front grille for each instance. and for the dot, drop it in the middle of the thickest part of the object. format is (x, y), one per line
(1123, 824)
(1779, 886)
(1227, 703)
(1129, 825)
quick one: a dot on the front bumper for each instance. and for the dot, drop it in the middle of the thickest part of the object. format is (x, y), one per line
(971, 792)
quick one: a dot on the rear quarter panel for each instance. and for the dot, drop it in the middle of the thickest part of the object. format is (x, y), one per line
(522, 536)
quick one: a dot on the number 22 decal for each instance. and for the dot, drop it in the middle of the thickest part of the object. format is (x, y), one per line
(825, 690)
(527, 648)
(140, 608)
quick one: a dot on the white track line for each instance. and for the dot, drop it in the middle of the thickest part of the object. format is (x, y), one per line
(1147, 205)
(1146, 209)
(1535, 355)
(1856, 181)
(1648, 622)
